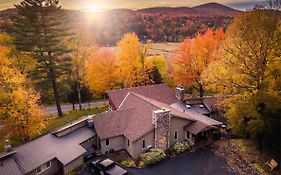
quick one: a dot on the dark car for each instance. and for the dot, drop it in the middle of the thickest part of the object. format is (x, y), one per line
(90, 154)
(106, 167)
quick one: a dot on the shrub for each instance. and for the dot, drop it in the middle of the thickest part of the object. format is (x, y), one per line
(141, 164)
(181, 147)
(153, 156)
(178, 148)
(169, 151)
(128, 163)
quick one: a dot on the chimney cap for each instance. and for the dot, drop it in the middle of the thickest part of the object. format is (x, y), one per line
(161, 110)
(179, 88)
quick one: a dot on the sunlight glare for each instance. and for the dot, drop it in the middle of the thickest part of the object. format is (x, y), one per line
(94, 8)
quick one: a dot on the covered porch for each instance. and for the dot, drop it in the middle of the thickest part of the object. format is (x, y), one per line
(199, 134)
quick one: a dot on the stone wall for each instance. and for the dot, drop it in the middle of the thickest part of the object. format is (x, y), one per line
(180, 93)
(161, 121)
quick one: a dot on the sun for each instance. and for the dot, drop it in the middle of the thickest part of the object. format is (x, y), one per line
(94, 8)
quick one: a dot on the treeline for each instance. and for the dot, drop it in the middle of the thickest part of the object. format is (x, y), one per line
(108, 28)
(155, 27)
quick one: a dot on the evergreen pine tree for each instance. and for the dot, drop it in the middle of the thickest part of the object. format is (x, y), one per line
(40, 28)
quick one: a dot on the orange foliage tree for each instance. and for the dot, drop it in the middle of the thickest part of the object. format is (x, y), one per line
(193, 58)
(101, 72)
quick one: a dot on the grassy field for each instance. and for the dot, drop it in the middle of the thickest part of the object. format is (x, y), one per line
(164, 49)
(57, 122)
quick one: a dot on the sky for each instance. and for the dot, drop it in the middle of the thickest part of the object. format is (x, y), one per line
(99, 5)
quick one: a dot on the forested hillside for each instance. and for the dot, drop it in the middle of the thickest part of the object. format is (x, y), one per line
(160, 24)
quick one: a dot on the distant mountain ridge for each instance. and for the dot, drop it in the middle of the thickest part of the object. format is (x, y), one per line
(209, 9)
(160, 24)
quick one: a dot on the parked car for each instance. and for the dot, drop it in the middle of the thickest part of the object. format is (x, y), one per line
(90, 154)
(106, 167)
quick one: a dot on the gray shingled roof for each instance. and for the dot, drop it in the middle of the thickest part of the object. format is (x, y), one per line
(9, 166)
(196, 115)
(197, 127)
(158, 92)
(213, 103)
(67, 148)
(133, 119)
(113, 123)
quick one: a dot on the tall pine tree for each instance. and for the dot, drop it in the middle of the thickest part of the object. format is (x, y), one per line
(40, 29)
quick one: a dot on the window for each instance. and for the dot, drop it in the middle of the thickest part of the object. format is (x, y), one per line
(143, 144)
(43, 167)
(107, 142)
(176, 135)
(187, 135)
(128, 142)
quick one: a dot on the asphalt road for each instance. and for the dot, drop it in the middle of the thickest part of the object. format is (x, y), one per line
(201, 162)
(52, 110)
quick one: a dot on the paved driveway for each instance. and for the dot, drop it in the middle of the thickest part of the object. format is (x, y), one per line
(201, 162)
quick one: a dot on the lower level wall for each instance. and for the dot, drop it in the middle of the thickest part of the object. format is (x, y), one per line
(73, 165)
(115, 143)
(89, 143)
(55, 167)
(137, 146)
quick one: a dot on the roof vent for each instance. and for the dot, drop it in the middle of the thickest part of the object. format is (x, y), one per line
(8, 146)
(90, 121)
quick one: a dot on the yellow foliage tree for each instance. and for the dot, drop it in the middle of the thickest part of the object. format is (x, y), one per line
(250, 71)
(83, 49)
(160, 63)
(19, 111)
(134, 67)
(101, 72)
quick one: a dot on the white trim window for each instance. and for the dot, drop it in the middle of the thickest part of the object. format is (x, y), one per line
(176, 135)
(43, 167)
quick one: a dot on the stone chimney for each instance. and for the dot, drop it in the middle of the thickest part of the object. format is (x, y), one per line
(161, 121)
(179, 93)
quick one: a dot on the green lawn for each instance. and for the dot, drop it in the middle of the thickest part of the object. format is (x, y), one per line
(56, 122)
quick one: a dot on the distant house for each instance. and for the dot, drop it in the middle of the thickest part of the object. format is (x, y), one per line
(141, 117)
(149, 116)
(59, 152)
